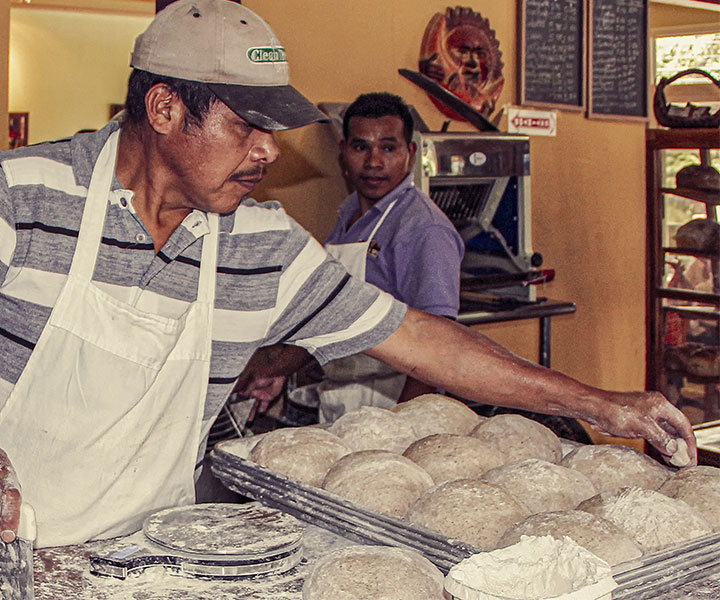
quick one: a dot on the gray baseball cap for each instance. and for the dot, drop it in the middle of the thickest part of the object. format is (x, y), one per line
(231, 49)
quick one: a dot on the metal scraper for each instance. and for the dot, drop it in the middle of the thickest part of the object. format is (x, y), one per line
(16, 559)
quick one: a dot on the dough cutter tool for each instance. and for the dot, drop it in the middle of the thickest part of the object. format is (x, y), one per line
(16, 559)
(208, 541)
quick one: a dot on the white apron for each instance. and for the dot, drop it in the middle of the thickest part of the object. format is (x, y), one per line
(103, 425)
(357, 380)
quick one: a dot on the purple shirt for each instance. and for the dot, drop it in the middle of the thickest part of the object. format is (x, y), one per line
(417, 249)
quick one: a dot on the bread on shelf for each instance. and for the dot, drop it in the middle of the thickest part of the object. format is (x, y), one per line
(699, 234)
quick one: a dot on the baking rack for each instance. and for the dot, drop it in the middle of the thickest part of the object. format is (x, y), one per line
(645, 578)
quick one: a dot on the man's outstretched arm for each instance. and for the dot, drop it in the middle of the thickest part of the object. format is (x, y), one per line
(470, 365)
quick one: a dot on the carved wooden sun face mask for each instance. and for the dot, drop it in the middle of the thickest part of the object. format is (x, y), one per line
(460, 52)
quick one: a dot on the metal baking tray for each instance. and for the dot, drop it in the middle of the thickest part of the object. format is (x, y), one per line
(645, 578)
(329, 511)
(653, 575)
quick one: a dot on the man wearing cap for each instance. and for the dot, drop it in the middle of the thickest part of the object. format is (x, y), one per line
(137, 280)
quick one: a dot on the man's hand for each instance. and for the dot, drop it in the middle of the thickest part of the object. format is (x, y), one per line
(264, 376)
(10, 500)
(647, 415)
(264, 390)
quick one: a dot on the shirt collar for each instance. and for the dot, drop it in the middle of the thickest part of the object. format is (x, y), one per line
(85, 149)
(197, 223)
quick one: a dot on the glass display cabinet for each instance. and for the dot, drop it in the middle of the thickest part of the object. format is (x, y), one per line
(683, 269)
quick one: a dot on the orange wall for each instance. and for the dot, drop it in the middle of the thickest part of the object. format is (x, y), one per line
(4, 50)
(588, 192)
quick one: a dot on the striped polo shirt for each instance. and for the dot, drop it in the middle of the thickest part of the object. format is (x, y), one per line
(274, 282)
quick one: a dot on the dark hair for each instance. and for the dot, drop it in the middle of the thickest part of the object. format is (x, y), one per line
(196, 96)
(379, 104)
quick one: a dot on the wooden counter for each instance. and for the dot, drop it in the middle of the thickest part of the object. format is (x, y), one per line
(63, 574)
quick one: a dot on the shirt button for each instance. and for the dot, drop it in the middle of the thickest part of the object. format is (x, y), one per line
(140, 237)
(123, 202)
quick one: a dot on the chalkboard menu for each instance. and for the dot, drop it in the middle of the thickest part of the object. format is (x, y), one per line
(552, 55)
(618, 58)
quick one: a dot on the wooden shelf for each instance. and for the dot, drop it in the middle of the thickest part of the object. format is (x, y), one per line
(691, 252)
(705, 196)
(672, 139)
(688, 295)
(694, 312)
(694, 378)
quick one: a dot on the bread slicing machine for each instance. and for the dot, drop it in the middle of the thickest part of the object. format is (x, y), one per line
(481, 181)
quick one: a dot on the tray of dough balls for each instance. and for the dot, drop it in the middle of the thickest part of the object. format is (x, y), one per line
(433, 476)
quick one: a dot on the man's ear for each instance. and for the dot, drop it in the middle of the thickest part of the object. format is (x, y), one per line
(164, 108)
(412, 149)
(341, 155)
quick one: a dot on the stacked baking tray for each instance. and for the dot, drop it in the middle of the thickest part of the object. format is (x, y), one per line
(653, 575)
(329, 511)
(646, 578)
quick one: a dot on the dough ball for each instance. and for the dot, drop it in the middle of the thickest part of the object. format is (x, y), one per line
(373, 428)
(435, 413)
(374, 573)
(542, 486)
(702, 177)
(518, 438)
(700, 488)
(469, 510)
(378, 480)
(447, 456)
(611, 466)
(695, 358)
(652, 519)
(704, 361)
(681, 456)
(599, 536)
(302, 453)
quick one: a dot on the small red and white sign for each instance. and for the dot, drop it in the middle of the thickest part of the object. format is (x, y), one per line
(531, 122)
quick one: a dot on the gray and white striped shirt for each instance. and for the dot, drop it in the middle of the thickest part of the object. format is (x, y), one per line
(275, 283)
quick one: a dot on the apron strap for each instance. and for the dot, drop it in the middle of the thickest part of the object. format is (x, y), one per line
(208, 262)
(380, 221)
(93, 219)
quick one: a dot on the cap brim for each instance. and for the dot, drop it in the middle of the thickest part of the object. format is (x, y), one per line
(269, 107)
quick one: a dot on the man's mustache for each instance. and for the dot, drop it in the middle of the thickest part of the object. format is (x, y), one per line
(253, 174)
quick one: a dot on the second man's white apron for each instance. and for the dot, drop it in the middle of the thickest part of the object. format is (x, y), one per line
(357, 380)
(103, 425)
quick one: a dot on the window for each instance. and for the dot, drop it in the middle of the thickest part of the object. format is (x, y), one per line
(674, 53)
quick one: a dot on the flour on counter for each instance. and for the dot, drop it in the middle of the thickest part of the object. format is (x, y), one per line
(63, 572)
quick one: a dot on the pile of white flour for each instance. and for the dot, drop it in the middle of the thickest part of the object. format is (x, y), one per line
(534, 568)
